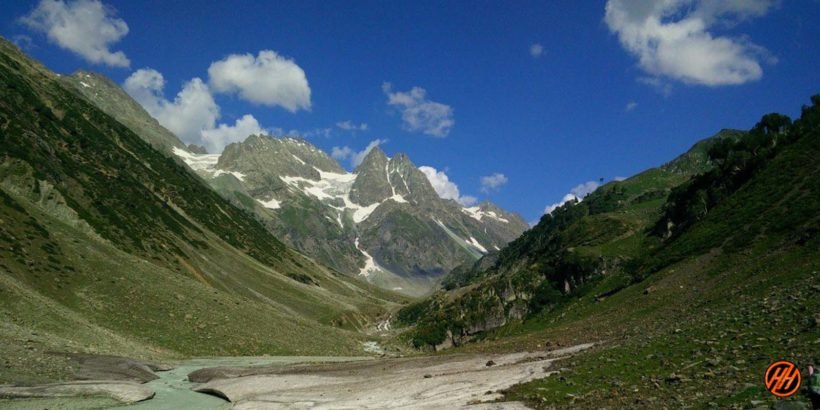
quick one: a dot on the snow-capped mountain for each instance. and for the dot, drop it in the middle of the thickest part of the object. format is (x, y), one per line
(384, 221)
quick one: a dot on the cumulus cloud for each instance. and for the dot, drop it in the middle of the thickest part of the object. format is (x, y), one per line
(193, 113)
(216, 139)
(536, 50)
(575, 194)
(671, 38)
(355, 157)
(492, 182)
(192, 110)
(350, 126)
(444, 187)
(268, 79)
(85, 27)
(630, 106)
(420, 114)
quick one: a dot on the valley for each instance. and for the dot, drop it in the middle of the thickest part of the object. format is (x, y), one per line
(149, 263)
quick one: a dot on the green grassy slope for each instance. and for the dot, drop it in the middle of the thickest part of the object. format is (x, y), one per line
(737, 290)
(116, 237)
(693, 318)
(113, 100)
(559, 258)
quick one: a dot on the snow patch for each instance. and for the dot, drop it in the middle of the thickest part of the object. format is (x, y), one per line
(271, 204)
(84, 84)
(205, 163)
(476, 213)
(477, 245)
(334, 187)
(240, 176)
(363, 212)
(370, 266)
(298, 159)
(472, 242)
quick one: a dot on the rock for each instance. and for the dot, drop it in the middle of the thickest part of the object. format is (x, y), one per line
(123, 391)
(160, 367)
(673, 379)
(427, 376)
(115, 368)
(490, 363)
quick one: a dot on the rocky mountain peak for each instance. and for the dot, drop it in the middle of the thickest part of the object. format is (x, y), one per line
(374, 159)
(268, 157)
(372, 180)
(410, 182)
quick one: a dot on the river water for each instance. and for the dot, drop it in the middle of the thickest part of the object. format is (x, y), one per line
(173, 390)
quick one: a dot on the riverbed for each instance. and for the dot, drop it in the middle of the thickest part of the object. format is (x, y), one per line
(474, 381)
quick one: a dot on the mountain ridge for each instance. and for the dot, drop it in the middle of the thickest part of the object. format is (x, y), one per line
(313, 204)
(111, 246)
(356, 212)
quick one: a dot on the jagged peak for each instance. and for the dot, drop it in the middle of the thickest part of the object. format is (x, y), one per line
(401, 159)
(373, 158)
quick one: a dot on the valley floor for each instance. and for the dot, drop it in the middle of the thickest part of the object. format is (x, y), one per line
(472, 381)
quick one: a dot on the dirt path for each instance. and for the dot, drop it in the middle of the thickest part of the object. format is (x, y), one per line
(440, 382)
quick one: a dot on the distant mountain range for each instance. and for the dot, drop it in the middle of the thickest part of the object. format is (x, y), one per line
(384, 221)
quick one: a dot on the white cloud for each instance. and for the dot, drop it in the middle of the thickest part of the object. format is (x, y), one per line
(420, 114)
(216, 139)
(536, 50)
(192, 111)
(85, 27)
(444, 187)
(630, 106)
(355, 157)
(492, 182)
(350, 126)
(575, 194)
(267, 79)
(193, 114)
(671, 38)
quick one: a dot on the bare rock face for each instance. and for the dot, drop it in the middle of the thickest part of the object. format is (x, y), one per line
(123, 391)
(93, 367)
(372, 179)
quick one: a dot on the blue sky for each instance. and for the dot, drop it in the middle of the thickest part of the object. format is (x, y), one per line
(517, 103)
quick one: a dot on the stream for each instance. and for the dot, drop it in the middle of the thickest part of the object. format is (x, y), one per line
(173, 390)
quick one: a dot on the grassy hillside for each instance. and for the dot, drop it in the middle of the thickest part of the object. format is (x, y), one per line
(690, 317)
(560, 258)
(109, 245)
